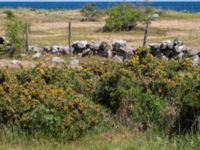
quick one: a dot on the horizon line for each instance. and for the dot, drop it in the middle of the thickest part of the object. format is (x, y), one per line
(99, 1)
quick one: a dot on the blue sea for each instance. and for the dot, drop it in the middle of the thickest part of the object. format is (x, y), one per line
(178, 6)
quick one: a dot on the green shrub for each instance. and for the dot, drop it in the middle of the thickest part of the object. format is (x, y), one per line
(34, 105)
(14, 34)
(122, 18)
(90, 12)
(111, 90)
(9, 14)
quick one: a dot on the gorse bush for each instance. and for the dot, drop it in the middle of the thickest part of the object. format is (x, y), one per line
(144, 92)
(122, 18)
(28, 101)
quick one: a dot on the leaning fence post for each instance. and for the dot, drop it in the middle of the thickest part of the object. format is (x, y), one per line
(26, 37)
(69, 37)
(145, 33)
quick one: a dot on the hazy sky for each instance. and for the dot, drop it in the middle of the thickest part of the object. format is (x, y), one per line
(95, 0)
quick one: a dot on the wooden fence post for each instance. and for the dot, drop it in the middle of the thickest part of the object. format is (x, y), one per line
(145, 33)
(26, 36)
(69, 37)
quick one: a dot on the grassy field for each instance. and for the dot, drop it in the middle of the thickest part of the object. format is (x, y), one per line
(50, 27)
(116, 139)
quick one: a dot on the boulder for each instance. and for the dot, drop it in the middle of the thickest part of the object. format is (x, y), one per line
(191, 52)
(180, 49)
(14, 62)
(66, 50)
(178, 42)
(125, 52)
(120, 43)
(47, 49)
(37, 55)
(196, 60)
(117, 44)
(79, 46)
(74, 61)
(94, 47)
(155, 49)
(86, 52)
(55, 49)
(198, 54)
(168, 44)
(57, 60)
(118, 59)
(35, 49)
(103, 49)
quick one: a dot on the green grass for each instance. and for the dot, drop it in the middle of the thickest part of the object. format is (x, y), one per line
(115, 139)
(179, 15)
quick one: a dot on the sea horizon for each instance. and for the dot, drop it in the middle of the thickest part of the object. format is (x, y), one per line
(184, 6)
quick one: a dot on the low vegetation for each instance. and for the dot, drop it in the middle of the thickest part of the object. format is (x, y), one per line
(145, 103)
(122, 18)
(90, 12)
(14, 33)
(145, 93)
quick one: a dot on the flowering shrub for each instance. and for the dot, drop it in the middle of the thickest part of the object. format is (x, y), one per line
(67, 103)
(34, 103)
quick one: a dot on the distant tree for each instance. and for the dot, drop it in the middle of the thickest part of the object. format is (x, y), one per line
(122, 18)
(90, 12)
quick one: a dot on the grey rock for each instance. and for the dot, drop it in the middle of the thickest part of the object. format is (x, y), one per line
(57, 60)
(121, 43)
(79, 46)
(37, 55)
(178, 42)
(191, 52)
(118, 59)
(35, 49)
(74, 61)
(14, 62)
(2, 40)
(86, 52)
(66, 50)
(103, 49)
(168, 44)
(198, 54)
(47, 49)
(196, 60)
(56, 49)
(93, 46)
(179, 49)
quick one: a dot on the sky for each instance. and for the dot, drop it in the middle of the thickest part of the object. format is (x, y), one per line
(90, 0)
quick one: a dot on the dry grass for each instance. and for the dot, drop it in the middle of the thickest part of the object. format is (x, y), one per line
(50, 27)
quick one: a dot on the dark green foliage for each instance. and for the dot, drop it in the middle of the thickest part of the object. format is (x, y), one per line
(14, 33)
(122, 18)
(112, 89)
(90, 12)
(9, 14)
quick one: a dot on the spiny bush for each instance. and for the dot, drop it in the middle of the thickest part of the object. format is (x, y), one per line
(64, 102)
(144, 89)
(36, 105)
(122, 18)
